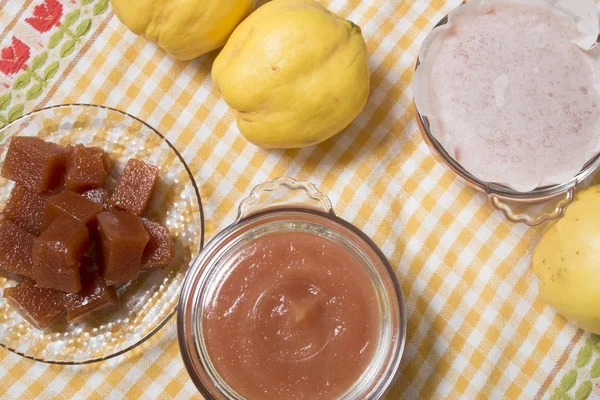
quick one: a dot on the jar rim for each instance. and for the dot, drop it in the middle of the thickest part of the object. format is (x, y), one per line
(196, 358)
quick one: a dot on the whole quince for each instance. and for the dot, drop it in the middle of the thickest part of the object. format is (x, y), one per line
(567, 262)
(296, 73)
(183, 28)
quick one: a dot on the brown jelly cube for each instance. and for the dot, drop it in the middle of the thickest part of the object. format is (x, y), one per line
(57, 254)
(159, 250)
(95, 297)
(73, 205)
(135, 187)
(99, 196)
(34, 163)
(95, 150)
(122, 243)
(39, 306)
(16, 247)
(25, 208)
(85, 169)
(105, 156)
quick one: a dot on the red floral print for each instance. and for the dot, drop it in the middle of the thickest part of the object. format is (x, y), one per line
(13, 57)
(46, 15)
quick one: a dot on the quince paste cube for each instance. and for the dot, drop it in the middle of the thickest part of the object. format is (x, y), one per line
(85, 169)
(159, 250)
(57, 255)
(72, 205)
(34, 163)
(135, 187)
(122, 240)
(16, 246)
(25, 208)
(39, 306)
(94, 298)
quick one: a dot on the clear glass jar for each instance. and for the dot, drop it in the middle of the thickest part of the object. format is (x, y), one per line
(285, 205)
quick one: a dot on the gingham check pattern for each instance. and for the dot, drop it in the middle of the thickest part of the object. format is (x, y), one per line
(477, 328)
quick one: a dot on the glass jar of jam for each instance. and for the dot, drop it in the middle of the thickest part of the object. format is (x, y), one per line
(291, 302)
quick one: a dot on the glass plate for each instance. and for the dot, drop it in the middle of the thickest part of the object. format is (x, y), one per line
(146, 303)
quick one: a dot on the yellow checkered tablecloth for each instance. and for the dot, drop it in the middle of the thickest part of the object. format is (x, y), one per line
(477, 327)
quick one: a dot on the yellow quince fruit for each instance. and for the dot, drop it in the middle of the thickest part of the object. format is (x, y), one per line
(296, 73)
(567, 262)
(183, 28)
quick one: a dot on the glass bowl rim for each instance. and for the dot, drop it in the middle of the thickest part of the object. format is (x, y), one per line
(168, 317)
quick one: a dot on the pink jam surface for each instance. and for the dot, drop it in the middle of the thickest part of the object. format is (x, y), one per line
(514, 95)
(296, 318)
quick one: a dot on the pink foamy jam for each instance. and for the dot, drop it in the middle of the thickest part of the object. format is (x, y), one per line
(514, 96)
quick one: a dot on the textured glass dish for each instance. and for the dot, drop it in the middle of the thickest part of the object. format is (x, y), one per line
(146, 303)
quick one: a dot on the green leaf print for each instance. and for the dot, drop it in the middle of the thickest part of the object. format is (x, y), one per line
(55, 39)
(86, 2)
(595, 370)
(70, 18)
(585, 355)
(583, 391)
(51, 70)
(5, 101)
(100, 7)
(67, 48)
(83, 27)
(39, 60)
(15, 112)
(34, 92)
(568, 381)
(595, 338)
(22, 81)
